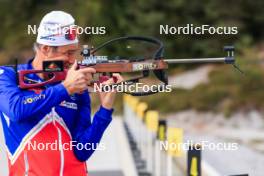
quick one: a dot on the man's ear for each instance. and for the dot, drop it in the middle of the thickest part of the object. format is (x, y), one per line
(45, 49)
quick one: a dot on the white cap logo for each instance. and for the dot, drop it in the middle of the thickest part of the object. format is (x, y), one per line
(57, 28)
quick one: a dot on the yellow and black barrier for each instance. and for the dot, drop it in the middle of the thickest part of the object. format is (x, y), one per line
(150, 131)
(162, 130)
(194, 161)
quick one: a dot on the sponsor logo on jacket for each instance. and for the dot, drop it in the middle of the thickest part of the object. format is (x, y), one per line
(34, 99)
(1, 71)
(69, 105)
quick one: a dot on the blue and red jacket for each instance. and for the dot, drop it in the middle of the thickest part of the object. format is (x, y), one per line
(47, 131)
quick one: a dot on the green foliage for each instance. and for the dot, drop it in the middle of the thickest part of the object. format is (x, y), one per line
(227, 91)
(123, 17)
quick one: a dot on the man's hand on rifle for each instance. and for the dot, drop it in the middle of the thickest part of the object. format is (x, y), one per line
(78, 81)
(107, 98)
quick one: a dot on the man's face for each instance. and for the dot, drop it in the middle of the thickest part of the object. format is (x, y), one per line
(67, 53)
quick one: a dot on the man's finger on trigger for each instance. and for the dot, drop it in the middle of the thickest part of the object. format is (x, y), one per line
(118, 77)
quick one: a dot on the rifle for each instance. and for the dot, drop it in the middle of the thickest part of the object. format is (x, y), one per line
(157, 64)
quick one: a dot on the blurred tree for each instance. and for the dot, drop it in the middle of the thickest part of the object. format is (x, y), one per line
(138, 17)
(124, 17)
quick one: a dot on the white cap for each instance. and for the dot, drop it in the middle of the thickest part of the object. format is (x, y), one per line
(53, 27)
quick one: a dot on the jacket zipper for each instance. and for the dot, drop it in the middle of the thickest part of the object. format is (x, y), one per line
(60, 143)
(26, 163)
(86, 170)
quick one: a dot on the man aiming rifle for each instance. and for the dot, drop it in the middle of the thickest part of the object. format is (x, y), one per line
(58, 113)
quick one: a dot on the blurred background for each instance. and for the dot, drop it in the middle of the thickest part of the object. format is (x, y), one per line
(213, 102)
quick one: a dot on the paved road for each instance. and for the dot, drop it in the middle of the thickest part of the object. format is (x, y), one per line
(190, 79)
(245, 159)
(116, 159)
(241, 161)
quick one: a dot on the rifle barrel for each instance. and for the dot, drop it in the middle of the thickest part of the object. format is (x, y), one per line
(200, 60)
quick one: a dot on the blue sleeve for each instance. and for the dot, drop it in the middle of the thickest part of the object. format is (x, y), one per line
(19, 107)
(87, 132)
